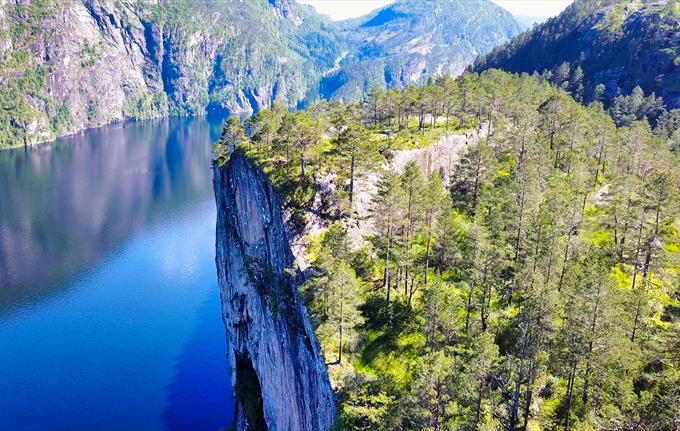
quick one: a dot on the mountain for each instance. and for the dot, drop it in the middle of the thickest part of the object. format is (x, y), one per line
(602, 49)
(68, 65)
(408, 41)
(73, 64)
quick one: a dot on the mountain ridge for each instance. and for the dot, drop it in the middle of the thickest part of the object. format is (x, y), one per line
(617, 45)
(75, 64)
(407, 42)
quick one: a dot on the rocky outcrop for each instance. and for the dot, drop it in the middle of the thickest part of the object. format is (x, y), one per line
(287, 9)
(442, 157)
(5, 41)
(280, 379)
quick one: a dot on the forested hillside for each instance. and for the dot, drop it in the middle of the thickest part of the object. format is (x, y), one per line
(66, 65)
(604, 50)
(69, 65)
(484, 253)
(408, 41)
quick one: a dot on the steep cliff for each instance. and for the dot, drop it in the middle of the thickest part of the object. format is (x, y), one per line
(281, 382)
(69, 65)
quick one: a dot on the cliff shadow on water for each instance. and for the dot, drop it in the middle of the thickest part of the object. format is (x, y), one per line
(280, 378)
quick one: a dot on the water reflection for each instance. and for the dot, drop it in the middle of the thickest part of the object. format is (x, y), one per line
(118, 350)
(109, 309)
(191, 393)
(64, 206)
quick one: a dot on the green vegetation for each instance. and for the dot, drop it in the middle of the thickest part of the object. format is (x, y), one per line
(616, 45)
(89, 55)
(536, 288)
(21, 75)
(142, 104)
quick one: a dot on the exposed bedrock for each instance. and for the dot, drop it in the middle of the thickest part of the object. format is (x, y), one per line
(280, 379)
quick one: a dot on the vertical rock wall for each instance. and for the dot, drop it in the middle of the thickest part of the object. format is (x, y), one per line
(280, 378)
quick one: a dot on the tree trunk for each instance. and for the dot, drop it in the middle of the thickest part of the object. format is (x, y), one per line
(599, 161)
(478, 406)
(427, 255)
(341, 329)
(302, 169)
(475, 192)
(570, 389)
(351, 183)
(406, 282)
(586, 378)
(518, 237)
(412, 290)
(486, 296)
(530, 393)
(468, 308)
(566, 250)
(437, 413)
(514, 410)
(637, 250)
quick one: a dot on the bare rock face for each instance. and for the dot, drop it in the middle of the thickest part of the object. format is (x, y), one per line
(104, 61)
(280, 379)
(5, 41)
(286, 9)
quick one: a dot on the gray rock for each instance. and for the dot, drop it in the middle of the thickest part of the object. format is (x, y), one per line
(107, 61)
(280, 379)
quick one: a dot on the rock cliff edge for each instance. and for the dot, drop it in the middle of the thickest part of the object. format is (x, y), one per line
(280, 379)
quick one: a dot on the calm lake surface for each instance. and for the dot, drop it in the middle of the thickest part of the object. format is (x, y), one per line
(109, 306)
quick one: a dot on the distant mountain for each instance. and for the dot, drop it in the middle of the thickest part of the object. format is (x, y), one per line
(67, 65)
(599, 49)
(408, 41)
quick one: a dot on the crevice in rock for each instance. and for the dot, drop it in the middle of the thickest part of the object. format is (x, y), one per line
(250, 394)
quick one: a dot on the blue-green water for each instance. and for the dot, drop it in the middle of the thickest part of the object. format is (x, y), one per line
(109, 309)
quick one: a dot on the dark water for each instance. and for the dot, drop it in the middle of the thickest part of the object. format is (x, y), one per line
(109, 309)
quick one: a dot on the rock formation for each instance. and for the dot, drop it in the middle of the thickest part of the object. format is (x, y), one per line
(280, 379)
(89, 63)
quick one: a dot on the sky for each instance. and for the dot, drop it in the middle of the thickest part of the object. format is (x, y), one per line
(343, 9)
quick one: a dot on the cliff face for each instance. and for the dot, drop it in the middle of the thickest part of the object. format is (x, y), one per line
(280, 378)
(69, 65)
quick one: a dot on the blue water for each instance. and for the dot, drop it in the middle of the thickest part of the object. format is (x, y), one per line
(109, 309)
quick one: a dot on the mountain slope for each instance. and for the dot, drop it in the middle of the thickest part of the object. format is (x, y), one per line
(618, 44)
(67, 65)
(406, 42)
